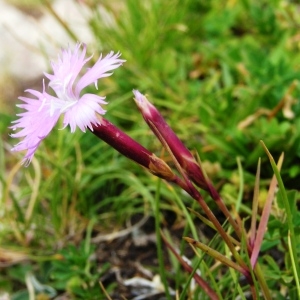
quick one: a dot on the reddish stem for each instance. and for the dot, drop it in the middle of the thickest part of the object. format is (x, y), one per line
(201, 282)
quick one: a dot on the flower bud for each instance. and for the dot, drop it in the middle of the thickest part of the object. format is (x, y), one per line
(170, 141)
(128, 147)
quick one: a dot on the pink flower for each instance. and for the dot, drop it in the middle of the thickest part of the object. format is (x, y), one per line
(41, 114)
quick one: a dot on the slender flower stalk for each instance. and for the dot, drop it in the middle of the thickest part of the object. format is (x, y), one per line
(128, 147)
(43, 110)
(202, 283)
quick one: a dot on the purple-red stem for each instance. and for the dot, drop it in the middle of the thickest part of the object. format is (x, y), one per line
(201, 282)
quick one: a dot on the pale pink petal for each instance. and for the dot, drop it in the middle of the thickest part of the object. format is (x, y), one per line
(99, 70)
(35, 124)
(83, 113)
(66, 70)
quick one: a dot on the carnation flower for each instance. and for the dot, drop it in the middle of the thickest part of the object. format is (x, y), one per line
(42, 112)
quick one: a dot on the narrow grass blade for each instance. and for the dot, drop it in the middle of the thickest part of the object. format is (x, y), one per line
(104, 291)
(67, 28)
(255, 205)
(217, 255)
(159, 247)
(35, 190)
(264, 218)
(294, 263)
(235, 278)
(289, 216)
(192, 274)
(211, 225)
(200, 281)
(241, 186)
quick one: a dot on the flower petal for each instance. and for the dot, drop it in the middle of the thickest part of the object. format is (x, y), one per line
(66, 70)
(36, 123)
(99, 70)
(83, 113)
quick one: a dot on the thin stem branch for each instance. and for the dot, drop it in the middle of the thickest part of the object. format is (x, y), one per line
(201, 282)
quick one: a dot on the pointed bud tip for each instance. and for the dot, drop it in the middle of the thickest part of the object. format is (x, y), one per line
(142, 102)
(138, 97)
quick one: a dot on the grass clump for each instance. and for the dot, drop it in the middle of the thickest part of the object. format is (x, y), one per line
(224, 75)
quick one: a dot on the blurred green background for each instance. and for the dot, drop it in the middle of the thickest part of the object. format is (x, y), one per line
(224, 74)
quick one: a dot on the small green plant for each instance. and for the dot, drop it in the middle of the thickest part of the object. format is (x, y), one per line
(77, 272)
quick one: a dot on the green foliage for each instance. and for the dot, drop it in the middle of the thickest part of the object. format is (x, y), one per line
(225, 74)
(77, 272)
(233, 58)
